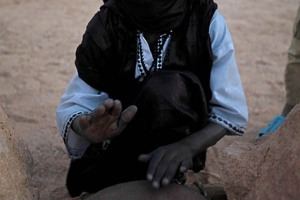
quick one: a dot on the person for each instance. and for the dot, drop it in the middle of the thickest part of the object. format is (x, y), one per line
(291, 79)
(156, 85)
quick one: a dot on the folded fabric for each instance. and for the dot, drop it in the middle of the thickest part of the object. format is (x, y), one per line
(272, 126)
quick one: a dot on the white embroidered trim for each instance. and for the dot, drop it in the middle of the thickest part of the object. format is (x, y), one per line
(233, 129)
(143, 69)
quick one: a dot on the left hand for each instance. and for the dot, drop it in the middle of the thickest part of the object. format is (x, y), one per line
(166, 161)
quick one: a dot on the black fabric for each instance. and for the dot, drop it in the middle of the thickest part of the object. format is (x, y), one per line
(172, 105)
(106, 57)
(156, 16)
(170, 93)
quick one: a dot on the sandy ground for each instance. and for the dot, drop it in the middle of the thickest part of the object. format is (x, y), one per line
(38, 39)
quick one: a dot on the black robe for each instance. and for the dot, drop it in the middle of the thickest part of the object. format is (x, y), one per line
(106, 60)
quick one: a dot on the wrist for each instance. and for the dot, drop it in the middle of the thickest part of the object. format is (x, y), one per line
(208, 136)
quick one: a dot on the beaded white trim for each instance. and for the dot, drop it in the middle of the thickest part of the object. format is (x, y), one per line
(156, 64)
(233, 129)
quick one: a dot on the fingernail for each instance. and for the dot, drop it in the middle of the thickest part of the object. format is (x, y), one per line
(183, 169)
(155, 184)
(149, 177)
(165, 181)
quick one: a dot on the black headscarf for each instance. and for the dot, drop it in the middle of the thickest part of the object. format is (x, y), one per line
(153, 16)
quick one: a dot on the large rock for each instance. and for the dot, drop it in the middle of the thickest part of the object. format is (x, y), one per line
(15, 165)
(266, 169)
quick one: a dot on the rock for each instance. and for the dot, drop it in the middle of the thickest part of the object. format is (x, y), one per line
(266, 169)
(16, 165)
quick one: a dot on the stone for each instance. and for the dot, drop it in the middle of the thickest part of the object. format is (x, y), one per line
(16, 165)
(268, 168)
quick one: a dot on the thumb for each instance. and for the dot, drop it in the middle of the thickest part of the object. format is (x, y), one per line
(144, 157)
(126, 116)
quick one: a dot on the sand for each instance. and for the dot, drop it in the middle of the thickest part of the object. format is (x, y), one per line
(38, 39)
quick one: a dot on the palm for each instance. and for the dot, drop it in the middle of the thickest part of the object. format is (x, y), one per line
(107, 121)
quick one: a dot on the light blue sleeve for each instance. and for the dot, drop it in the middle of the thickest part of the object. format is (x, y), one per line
(79, 98)
(228, 106)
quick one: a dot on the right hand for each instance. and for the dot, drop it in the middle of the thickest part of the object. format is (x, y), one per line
(106, 121)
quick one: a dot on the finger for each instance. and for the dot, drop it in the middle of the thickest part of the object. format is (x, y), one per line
(161, 170)
(116, 109)
(108, 104)
(126, 116)
(144, 157)
(185, 166)
(154, 162)
(170, 173)
(97, 114)
(105, 108)
(84, 121)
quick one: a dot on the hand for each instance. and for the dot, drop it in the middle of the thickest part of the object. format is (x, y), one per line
(106, 121)
(166, 161)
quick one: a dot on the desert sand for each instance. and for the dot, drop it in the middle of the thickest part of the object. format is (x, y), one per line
(38, 39)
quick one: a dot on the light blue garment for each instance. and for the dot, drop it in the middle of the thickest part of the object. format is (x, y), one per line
(227, 106)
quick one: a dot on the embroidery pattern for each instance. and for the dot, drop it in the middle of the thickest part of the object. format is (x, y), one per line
(158, 54)
(219, 119)
(69, 122)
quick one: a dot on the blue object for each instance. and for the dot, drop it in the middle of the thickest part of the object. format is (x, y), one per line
(272, 126)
